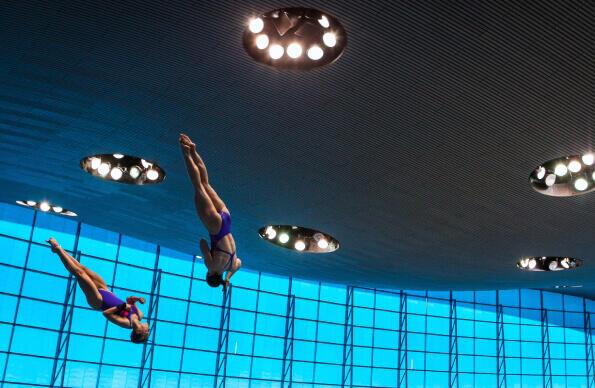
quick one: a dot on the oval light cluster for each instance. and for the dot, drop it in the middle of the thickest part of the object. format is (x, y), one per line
(46, 207)
(123, 169)
(295, 38)
(548, 263)
(299, 238)
(566, 176)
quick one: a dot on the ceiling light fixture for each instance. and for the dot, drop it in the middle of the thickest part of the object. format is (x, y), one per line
(292, 31)
(47, 207)
(565, 177)
(300, 238)
(123, 169)
(548, 263)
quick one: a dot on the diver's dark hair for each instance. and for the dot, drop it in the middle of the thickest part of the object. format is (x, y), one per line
(138, 338)
(214, 280)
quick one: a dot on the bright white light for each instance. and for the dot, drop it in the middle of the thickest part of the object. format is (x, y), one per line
(524, 262)
(324, 21)
(31, 203)
(553, 265)
(152, 174)
(116, 173)
(581, 184)
(593, 176)
(256, 25)
(118, 156)
(588, 159)
(57, 209)
(550, 180)
(540, 173)
(283, 238)
(276, 51)
(44, 206)
(294, 50)
(95, 162)
(329, 39)
(315, 53)
(565, 263)
(561, 169)
(103, 169)
(322, 243)
(134, 172)
(145, 163)
(299, 245)
(262, 41)
(574, 166)
(532, 263)
(271, 233)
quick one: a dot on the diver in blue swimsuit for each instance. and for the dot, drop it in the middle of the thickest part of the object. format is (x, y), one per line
(221, 257)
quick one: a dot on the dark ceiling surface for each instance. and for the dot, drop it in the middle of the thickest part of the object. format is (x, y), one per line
(413, 149)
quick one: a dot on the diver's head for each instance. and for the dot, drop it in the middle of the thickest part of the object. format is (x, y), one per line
(140, 333)
(214, 279)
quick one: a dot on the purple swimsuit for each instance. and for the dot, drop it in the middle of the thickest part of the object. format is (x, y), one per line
(215, 238)
(111, 300)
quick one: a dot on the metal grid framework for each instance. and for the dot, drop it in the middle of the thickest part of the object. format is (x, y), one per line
(590, 358)
(61, 359)
(402, 346)
(347, 367)
(500, 348)
(453, 370)
(287, 368)
(545, 347)
(220, 377)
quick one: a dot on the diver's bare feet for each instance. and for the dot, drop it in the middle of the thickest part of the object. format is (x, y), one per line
(54, 244)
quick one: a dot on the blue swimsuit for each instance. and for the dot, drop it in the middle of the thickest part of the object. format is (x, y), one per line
(215, 238)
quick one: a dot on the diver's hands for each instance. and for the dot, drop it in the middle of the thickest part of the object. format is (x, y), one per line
(54, 244)
(133, 299)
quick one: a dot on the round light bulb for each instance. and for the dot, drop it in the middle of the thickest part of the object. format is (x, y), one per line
(44, 206)
(134, 172)
(118, 156)
(524, 263)
(553, 265)
(565, 263)
(550, 179)
(283, 238)
(322, 243)
(152, 174)
(262, 41)
(574, 166)
(116, 173)
(103, 169)
(593, 176)
(329, 39)
(276, 51)
(145, 163)
(315, 53)
(323, 21)
(299, 245)
(31, 203)
(256, 25)
(95, 162)
(532, 263)
(271, 233)
(540, 172)
(581, 184)
(588, 159)
(561, 169)
(294, 50)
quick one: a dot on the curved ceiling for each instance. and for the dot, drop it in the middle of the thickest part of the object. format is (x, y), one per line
(413, 149)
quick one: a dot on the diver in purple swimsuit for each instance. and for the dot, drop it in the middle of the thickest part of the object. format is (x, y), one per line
(221, 257)
(115, 310)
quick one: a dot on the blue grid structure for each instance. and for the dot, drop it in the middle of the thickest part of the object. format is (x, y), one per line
(453, 371)
(276, 331)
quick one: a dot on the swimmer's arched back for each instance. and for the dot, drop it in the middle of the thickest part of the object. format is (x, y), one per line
(215, 216)
(99, 297)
